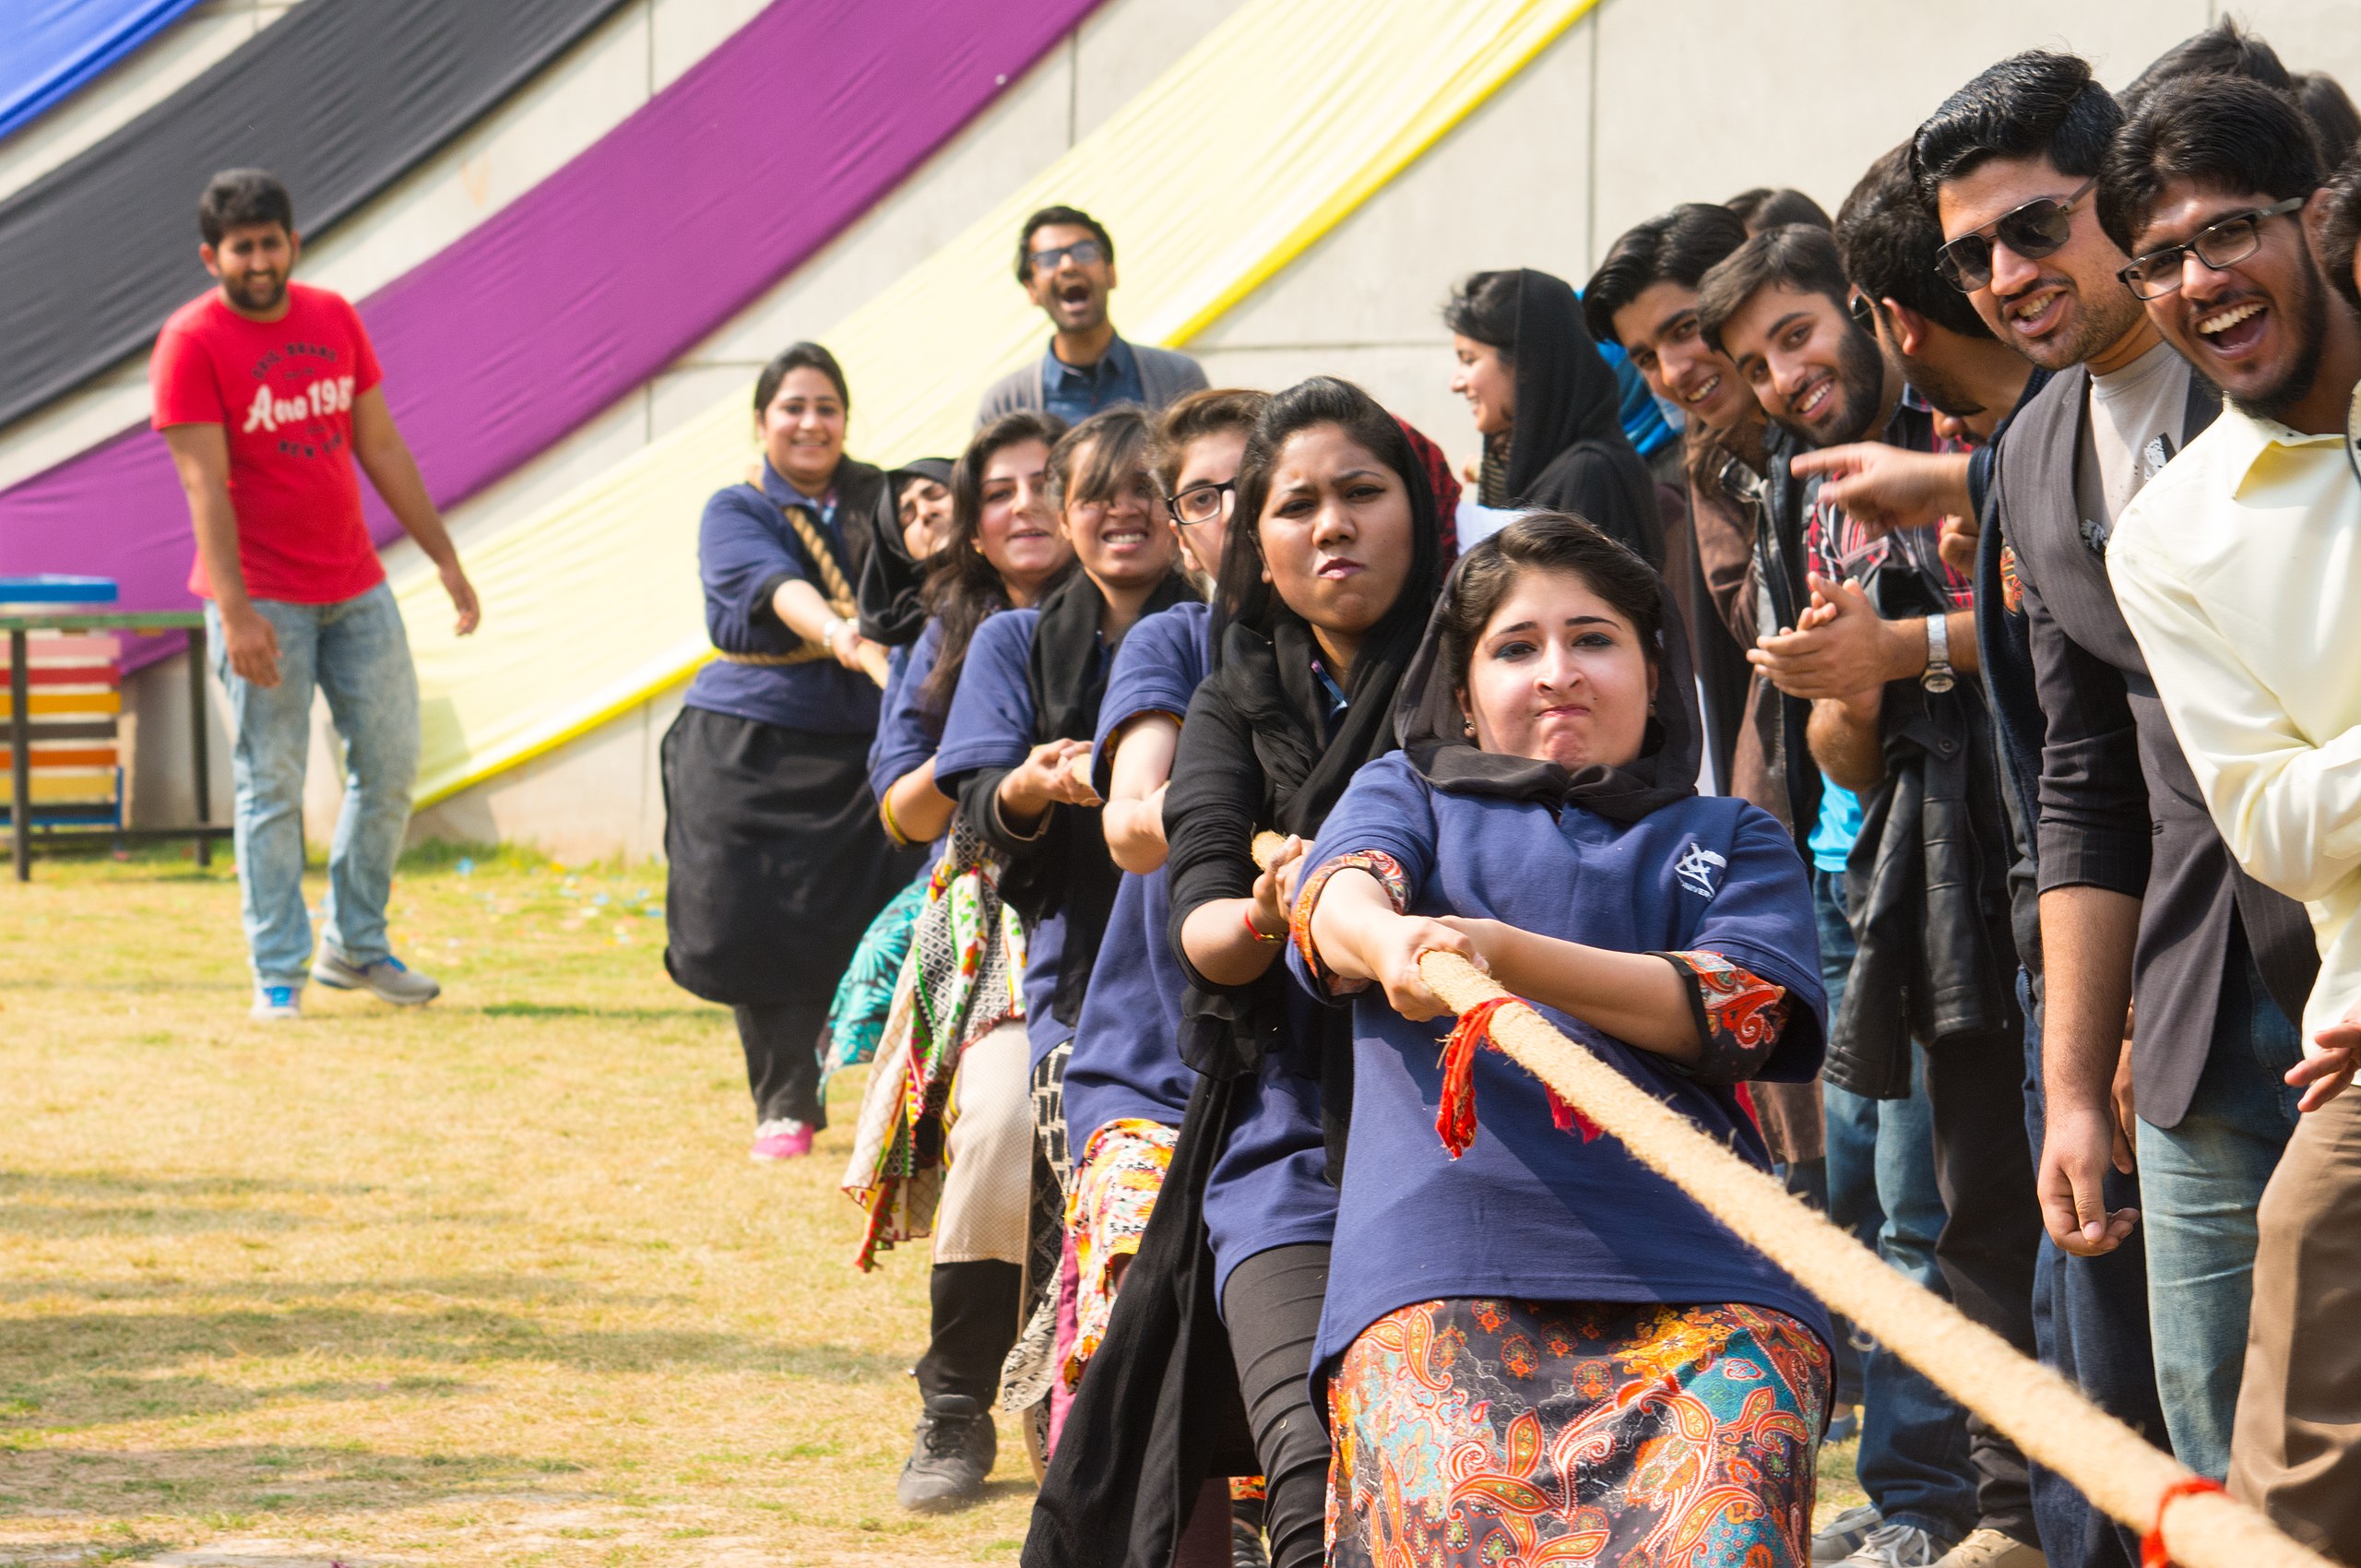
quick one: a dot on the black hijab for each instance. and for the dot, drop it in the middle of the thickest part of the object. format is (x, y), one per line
(891, 591)
(1262, 672)
(1567, 449)
(1431, 730)
(1269, 753)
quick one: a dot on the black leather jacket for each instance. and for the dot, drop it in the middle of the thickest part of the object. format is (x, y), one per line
(1928, 883)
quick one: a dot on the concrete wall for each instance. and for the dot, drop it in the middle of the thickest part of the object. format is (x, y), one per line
(1638, 106)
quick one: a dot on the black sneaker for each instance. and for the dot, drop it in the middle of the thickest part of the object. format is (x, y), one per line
(952, 1454)
(1246, 1546)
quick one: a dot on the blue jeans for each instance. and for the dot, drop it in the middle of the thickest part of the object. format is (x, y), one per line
(2090, 1322)
(2203, 1181)
(356, 652)
(1882, 1187)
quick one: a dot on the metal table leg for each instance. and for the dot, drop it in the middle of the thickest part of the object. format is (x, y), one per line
(196, 742)
(20, 757)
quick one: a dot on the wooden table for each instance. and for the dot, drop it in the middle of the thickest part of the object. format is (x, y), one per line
(18, 623)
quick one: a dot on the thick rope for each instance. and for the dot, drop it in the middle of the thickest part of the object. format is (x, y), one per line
(833, 588)
(2117, 1469)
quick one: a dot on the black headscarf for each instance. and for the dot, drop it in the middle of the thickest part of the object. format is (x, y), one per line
(1431, 730)
(1567, 449)
(891, 587)
(1264, 703)
(1262, 672)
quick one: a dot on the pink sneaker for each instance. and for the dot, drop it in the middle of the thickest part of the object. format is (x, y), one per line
(781, 1140)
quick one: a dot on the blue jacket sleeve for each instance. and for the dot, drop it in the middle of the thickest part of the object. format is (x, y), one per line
(743, 556)
(990, 721)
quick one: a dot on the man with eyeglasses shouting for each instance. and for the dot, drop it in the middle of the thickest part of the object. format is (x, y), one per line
(2139, 897)
(1066, 263)
(2239, 572)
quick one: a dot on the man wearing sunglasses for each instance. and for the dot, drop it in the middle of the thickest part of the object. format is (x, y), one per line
(2239, 572)
(1065, 261)
(2138, 897)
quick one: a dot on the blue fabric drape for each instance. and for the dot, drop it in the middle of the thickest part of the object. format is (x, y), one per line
(52, 49)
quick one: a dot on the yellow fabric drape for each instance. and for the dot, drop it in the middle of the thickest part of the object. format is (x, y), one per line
(1249, 148)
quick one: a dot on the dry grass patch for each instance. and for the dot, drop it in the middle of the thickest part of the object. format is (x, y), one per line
(488, 1283)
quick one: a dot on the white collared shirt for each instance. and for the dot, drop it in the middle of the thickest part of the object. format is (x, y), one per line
(2238, 568)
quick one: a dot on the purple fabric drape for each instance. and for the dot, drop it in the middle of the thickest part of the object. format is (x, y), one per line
(598, 278)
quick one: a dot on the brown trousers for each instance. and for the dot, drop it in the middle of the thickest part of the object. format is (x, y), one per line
(2295, 1451)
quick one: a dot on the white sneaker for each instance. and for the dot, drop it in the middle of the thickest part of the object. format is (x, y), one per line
(1843, 1536)
(277, 1004)
(387, 980)
(1896, 1546)
(1988, 1548)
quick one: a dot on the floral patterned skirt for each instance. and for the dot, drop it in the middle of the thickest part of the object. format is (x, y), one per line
(1115, 1185)
(1478, 1433)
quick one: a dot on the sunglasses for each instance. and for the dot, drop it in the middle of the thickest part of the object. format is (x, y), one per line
(2035, 229)
(1085, 253)
(2224, 243)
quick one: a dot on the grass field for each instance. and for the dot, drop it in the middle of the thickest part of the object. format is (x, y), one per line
(492, 1282)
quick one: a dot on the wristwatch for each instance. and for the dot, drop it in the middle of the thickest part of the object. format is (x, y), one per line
(1937, 676)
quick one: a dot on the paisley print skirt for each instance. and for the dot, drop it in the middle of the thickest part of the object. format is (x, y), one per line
(1481, 1433)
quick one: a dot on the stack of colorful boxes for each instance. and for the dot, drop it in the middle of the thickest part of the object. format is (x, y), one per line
(74, 686)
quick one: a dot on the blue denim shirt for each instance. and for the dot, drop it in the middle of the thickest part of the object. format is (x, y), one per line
(1073, 392)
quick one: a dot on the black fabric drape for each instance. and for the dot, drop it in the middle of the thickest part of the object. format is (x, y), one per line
(1567, 451)
(338, 100)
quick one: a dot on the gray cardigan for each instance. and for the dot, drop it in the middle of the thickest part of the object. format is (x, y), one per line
(1166, 374)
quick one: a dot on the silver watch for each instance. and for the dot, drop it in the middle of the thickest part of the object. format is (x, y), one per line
(1937, 676)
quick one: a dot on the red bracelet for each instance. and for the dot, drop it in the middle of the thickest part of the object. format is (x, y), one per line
(1256, 931)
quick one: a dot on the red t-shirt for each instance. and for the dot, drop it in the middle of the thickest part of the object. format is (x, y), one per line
(283, 390)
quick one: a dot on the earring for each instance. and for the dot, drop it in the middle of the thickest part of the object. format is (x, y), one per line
(1469, 726)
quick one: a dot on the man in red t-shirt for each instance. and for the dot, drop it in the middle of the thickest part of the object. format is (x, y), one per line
(267, 391)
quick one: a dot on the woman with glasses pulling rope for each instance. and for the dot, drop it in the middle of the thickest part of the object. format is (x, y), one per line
(1530, 1340)
(778, 863)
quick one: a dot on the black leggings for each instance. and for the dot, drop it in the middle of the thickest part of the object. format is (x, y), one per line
(782, 1041)
(1272, 1307)
(974, 1327)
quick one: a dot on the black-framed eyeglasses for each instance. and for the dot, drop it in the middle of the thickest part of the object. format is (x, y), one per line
(1085, 253)
(2224, 243)
(1200, 503)
(2035, 229)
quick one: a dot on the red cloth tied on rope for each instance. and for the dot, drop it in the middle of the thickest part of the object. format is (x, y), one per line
(2151, 1545)
(1456, 1116)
